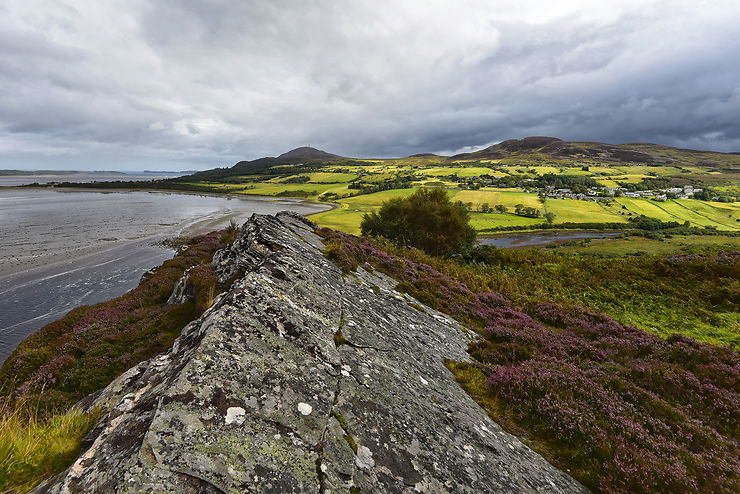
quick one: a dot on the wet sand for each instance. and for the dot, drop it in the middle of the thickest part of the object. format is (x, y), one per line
(41, 227)
(60, 250)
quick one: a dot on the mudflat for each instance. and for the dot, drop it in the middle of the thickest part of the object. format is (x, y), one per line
(63, 249)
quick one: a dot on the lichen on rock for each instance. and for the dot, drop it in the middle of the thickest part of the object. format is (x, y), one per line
(260, 395)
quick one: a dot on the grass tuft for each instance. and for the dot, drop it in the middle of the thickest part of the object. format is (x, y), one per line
(33, 448)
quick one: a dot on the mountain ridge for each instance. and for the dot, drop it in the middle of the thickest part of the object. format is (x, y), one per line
(533, 148)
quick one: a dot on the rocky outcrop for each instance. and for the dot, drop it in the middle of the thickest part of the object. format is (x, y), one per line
(300, 379)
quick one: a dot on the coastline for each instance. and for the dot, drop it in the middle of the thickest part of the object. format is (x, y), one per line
(49, 258)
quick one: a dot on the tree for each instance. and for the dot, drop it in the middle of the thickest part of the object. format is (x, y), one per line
(501, 208)
(426, 219)
(550, 217)
(484, 208)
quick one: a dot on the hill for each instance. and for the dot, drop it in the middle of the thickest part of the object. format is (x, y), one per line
(541, 148)
(300, 155)
(583, 184)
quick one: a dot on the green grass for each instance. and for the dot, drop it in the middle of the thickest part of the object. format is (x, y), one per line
(630, 246)
(606, 182)
(330, 177)
(348, 217)
(459, 171)
(699, 213)
(486, 221)
(646, 207)
(570, 210)
(496, 196)
(33, 448)
(346, 220)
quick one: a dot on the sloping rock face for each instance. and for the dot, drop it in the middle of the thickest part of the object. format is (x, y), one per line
(300, 379)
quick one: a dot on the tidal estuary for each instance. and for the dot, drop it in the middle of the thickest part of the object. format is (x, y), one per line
(60, 249)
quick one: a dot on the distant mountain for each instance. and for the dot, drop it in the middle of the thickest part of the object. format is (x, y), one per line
(552, 147)
(306, 153)
(542, 148)
(533, 149)
(301, 155)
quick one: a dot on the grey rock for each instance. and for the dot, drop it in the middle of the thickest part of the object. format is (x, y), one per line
(256, 396)
(182, 292)
(148, 274)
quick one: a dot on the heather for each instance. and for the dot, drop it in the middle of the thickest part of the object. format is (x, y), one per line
(89, 347)
(621, 409)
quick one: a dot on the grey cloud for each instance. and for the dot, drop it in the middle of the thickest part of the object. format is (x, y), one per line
(202, 84)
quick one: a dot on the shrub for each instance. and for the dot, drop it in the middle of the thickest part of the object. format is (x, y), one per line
(426, 220)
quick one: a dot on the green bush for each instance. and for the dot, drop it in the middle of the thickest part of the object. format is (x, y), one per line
(427, 220)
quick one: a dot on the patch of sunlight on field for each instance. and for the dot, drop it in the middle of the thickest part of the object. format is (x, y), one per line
(700, 213)
(596, 169)
(725, 215)
(630, 178)
(331, 177)
(541, 170)
(646, 207)
(576, 172)
(571, 210)
(371, 201)
(486, 221)
(606, 182)
(346, 220)
(493, 197)
(472, 171)
(687, 212)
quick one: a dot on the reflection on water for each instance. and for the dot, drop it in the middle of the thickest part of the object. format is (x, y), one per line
(16, 180)
(62, 249)
(531, 239)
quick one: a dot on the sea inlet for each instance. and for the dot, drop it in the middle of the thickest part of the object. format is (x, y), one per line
(62, 248)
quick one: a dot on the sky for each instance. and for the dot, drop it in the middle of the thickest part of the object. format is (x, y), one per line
(184, 85)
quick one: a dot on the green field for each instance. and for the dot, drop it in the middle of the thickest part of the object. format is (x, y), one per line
(569, 210)
(700, 213)
(496, 196)
(491, 182)
(487, 221)
(460, 172)
(349, 215)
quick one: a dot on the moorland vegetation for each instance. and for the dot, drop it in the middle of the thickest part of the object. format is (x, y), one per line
(642, 406)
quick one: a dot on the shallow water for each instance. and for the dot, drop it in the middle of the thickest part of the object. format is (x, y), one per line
(532, 239)
(16, 180)
(63, 249)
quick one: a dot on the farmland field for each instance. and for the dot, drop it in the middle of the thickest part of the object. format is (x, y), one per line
(569, 210)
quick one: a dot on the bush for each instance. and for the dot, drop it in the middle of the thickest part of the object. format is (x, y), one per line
(426, 220)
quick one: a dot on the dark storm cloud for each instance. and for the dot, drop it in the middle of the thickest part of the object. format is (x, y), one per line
(183, 84)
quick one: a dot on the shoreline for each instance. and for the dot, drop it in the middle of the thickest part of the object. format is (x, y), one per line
(13, 267)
